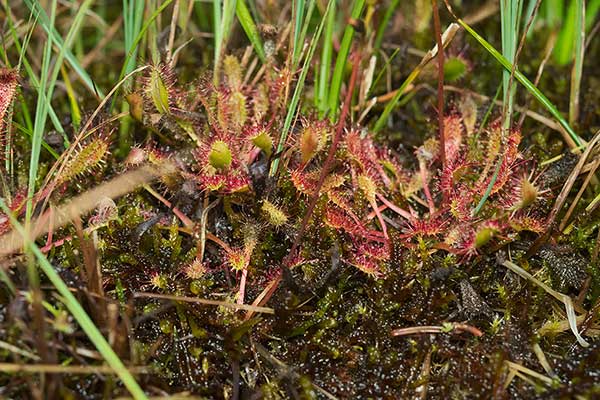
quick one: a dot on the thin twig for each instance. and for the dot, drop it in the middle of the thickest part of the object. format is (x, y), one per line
(453, 327)
(235, 306)
(328, 162)
(66, 369)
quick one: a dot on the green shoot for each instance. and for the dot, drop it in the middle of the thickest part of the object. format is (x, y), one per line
(299, 87)
(510, 11)
(223, 19)
(384, 23)
(524, 81)
(578, 55)
(53, 34)
(249, 27)
(325, 64)
(340, 62)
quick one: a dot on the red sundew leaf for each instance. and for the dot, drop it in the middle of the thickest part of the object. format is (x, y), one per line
(433, 227)
(460, 204)
(363, 151)
(338, 219)
(16, 205)
(304, 182)
(376, 251)
(455, 168)
(8, 86)
(453, 136)
(230, 182)
(367, 264)
(526, 222)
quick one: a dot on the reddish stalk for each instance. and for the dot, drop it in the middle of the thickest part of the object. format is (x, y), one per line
(242, 290)
(440, 92)
(324, 172)
(395, 208)
(329, 161)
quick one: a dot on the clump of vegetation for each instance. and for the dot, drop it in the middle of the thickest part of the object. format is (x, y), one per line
(263, 216)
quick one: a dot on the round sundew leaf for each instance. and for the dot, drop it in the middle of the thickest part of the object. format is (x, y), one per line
(220, 155)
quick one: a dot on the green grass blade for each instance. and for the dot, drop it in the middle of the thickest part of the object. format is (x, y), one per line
(510, 11)
(340, 62)
(133, 11)
(132, 49)
(299, 6)
(309, 13)
(41, 112)
(249, 27)
(567, 37)
(384, 69)
(524, 81)
(325, 64)
(222, 26)
(563, 50)
(79, 313)
(488, 190)
(382, 120)
(592, 9)
(75, 111)
(389, 12)
(578, 55)
(46, 89)
(554, 12)
(35, 7)
(217, 31)
(65, 48)
(21, 48)
(137, 40)
(299, 87)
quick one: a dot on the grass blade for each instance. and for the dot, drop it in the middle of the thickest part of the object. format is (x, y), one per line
(578, 55)
(30, 73)
(389, 12)
(340, 62)
(53, 34)
(298, 18)
(78, 312)
(299, 87)
(305, 25)
(132, 49)
(133, 11)
(46, 89)
(249, 27)
(217, 32)
(510, 11)
(41, 112)
(325, 64)
(524, 81)
(222, 27)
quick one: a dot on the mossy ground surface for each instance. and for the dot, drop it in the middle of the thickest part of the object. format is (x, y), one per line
(333, 331)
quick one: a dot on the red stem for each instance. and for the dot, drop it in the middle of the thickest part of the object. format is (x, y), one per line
(329, 161)
(324, 172)
(440, 92)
